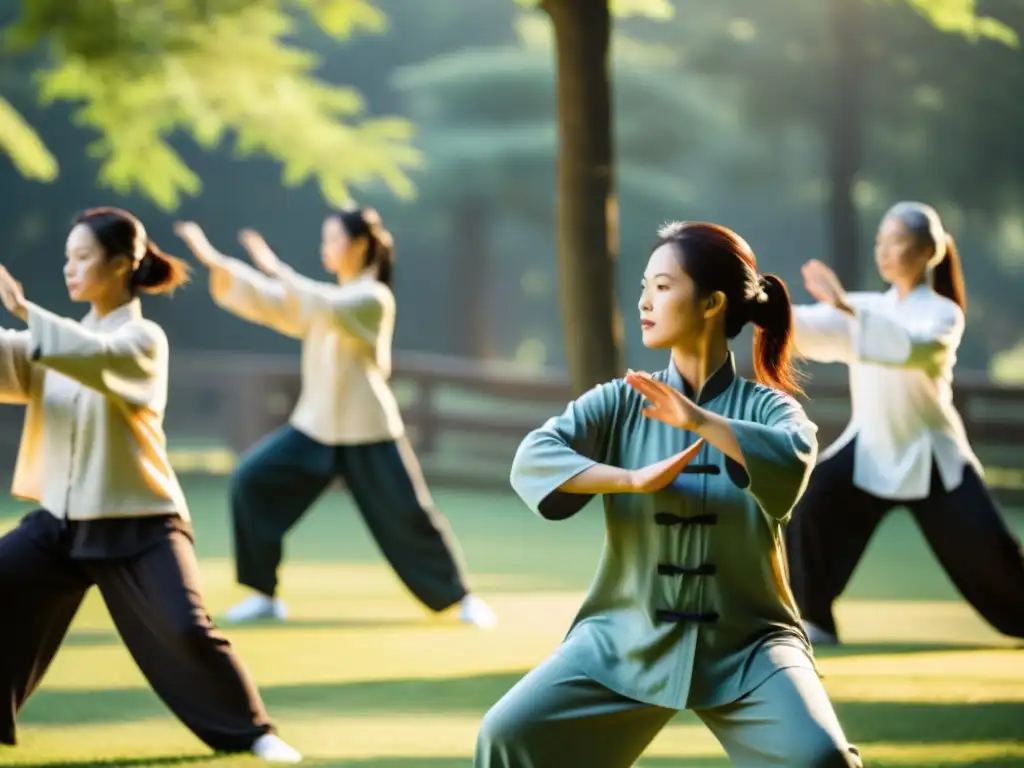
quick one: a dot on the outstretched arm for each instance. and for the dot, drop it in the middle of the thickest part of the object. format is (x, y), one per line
(128, 364)
(243, 291)
(823, 333)
(925, 343)
(358, 308)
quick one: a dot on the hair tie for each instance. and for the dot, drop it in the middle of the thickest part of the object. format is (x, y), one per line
(141, 243)
(939, 235)
(761, 296)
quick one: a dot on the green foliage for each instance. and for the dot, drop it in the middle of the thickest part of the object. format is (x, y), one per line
(142, 71)
(30, 156)
(961, 17)
(1007, 367)
(344, 18)
(927, 95)
(651, 9)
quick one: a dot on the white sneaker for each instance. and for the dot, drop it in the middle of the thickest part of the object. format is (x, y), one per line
(473, 610)
(274, 750)
(257, 608)
(819, 636)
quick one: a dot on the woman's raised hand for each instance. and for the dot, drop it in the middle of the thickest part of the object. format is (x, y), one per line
(659, 475)
(194, 237)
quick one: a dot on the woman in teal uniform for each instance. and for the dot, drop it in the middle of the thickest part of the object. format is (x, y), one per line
(699, 469)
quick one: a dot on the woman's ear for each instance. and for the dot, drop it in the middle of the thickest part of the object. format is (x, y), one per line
(714, 304)
(122, 266)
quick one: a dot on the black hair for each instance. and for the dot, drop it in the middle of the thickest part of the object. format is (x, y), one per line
(717, 259)
(121, 234)
(380, 246)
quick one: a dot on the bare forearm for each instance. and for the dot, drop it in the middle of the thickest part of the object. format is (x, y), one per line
(716, 431)
(598, 480)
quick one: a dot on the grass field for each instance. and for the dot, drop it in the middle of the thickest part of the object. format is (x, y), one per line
(362, 677)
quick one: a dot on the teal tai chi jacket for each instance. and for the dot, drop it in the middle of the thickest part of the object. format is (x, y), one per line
(691, 606)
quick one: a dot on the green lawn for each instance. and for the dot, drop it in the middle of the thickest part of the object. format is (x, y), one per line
(362, 677)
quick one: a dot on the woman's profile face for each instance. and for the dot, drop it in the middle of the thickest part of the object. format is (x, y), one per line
(670, 310)
(88, 273)
(899, 254)
(340, 254)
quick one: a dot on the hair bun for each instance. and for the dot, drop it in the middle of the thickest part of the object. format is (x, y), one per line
(372, 218)
(376, 227)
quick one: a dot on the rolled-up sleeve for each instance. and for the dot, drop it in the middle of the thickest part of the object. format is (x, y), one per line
(779, 451)
(562, 448)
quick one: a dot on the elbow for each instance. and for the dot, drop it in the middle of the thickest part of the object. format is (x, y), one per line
(778, 499)
(930, 357)
(537, 486)
(561, 506)
(518, 474)
(137, 392)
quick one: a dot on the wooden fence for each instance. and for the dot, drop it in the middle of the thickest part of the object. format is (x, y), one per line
(465, 418)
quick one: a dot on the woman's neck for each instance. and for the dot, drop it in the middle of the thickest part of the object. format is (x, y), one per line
(905, 287)
(366, 273)
(103, 307)
(698, 362)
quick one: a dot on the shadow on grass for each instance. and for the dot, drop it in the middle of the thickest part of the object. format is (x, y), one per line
(87, 638)
(424, 622)
(931, 722)
(465, 762)
(875, 649)
(715, 762)
(863, 721)
(131, 762)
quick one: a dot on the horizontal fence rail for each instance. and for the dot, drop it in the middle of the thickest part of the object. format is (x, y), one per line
(465, 417)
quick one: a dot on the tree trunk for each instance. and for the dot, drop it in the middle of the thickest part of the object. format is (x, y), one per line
(844, 138)
(587, 215)
(469, 318)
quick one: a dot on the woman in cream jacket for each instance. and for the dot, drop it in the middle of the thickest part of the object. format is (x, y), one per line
(112, 513)
(346, 423)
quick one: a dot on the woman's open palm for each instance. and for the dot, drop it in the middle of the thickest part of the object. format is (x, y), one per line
(660, 475)
(667, 404)
(261, 254)
(822, 283)
(195, 238)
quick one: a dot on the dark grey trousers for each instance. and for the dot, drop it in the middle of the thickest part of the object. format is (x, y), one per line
(834, 520)
(285, 473)
(155, 602)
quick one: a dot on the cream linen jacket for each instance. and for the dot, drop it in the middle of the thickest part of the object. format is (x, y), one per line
(93, 444)
(346, 332)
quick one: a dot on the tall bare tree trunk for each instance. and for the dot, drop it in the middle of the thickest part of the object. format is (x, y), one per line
(587, 208)
(470, 326)
(844, 138)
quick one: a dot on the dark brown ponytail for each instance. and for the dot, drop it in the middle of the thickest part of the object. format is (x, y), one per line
(380, 245)
(948, 276)
(924, 224)
(717, 259)
(773, 336)
(158, 272)
(121, 235)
